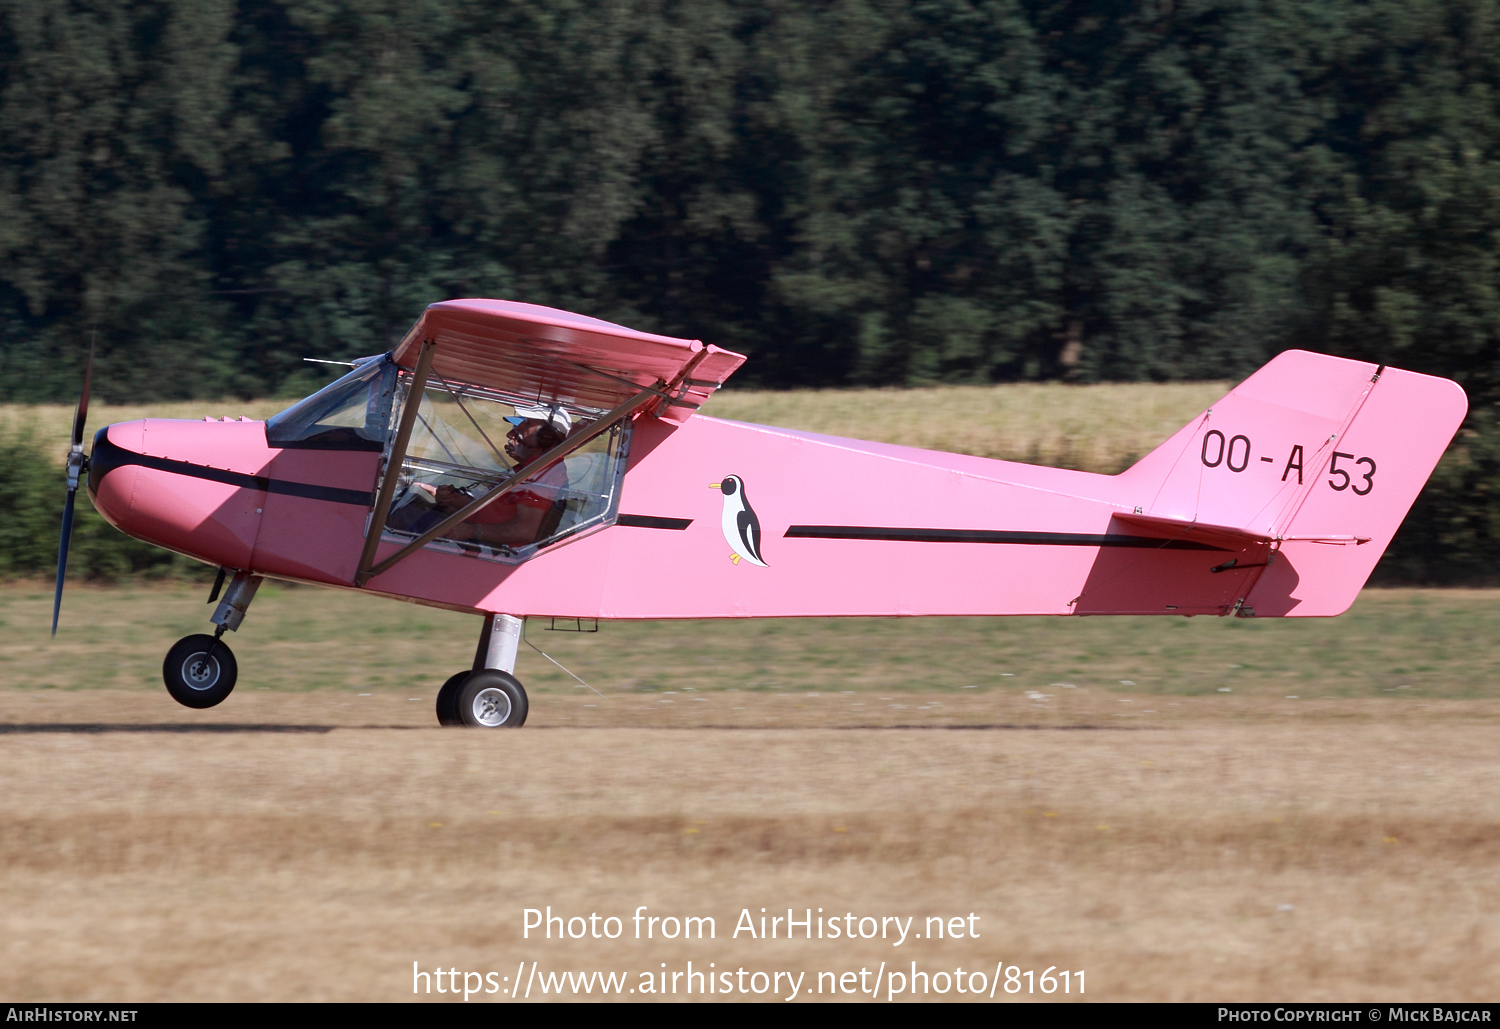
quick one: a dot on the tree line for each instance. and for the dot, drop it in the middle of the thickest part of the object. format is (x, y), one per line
(850, 191)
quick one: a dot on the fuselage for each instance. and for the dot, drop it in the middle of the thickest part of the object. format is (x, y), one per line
(1252, 507)
(834, 542)
(218, 492)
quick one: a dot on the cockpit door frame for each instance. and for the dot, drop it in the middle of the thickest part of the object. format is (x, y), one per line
(391, 474)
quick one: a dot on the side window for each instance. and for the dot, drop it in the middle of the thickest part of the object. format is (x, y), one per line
(351, 413)
(466, 441)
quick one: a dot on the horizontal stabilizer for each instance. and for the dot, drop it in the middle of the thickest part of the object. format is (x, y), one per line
(1230, 537)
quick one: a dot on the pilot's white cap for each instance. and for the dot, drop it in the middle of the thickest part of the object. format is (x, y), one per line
(550, 414)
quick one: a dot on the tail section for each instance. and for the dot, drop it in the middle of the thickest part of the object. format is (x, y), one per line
(1312, 462)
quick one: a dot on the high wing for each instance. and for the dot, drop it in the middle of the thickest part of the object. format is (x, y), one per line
(551, 355)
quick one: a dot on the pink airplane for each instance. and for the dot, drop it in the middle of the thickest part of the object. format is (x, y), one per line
(516, 461)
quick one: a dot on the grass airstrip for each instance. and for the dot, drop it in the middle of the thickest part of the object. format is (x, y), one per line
(1186, 809)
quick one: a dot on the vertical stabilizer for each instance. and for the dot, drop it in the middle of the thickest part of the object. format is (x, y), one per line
(1319, 455)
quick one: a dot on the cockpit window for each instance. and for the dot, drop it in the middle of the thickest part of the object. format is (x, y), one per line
(351, 413)
(467, 440)
(459, 440)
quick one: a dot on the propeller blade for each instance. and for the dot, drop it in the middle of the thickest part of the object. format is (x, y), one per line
(77, 465)
(82, 414)
(62, 555)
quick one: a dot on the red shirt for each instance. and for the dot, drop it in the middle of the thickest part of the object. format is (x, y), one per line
(541, 492)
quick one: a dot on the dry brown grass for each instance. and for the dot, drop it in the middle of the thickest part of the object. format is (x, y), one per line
(303, 841)
(1098, 428)
(299, 846)
(53, 423)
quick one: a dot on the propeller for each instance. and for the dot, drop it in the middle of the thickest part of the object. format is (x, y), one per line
(77, 464)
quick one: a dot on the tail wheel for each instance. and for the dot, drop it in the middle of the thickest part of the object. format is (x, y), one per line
(199, 671)
(492, 699)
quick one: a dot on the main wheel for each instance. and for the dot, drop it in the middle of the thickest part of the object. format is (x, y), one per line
(447, 700)
(492, 699)
(195, 682)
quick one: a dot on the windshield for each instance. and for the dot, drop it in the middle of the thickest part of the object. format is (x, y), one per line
(352, 413)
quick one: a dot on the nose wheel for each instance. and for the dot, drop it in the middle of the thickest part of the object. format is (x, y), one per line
(200, 671)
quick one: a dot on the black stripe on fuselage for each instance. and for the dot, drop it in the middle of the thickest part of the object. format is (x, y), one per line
(108, 456)
(652, 522)
(1031, 539)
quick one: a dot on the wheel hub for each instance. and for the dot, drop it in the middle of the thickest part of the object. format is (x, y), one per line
(491, 707)
(198, 673)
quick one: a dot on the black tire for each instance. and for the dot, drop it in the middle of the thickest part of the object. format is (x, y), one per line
(193, 685)
(447, 700)
(492, 699)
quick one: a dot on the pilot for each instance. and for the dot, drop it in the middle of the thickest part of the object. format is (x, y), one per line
(521, 516)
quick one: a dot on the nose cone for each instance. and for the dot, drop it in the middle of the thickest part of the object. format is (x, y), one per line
(193, 487)
(111, 483)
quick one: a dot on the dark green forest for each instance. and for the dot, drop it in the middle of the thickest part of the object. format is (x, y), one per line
(850, 191)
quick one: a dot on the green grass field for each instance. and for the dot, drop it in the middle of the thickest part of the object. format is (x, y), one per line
(1406, 645)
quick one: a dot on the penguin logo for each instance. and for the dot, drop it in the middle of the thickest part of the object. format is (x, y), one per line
(741, 527)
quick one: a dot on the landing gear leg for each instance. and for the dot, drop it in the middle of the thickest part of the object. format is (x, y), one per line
(200, 670)
(489, 695)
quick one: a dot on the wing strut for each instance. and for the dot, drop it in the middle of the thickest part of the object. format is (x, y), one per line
(393, 466)
(580, 436)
